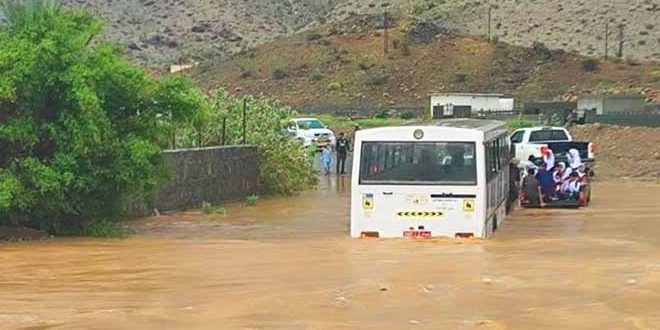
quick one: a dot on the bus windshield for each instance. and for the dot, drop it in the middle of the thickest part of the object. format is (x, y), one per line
(418, 163)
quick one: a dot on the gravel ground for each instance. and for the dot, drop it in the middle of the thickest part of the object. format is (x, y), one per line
(623, 152)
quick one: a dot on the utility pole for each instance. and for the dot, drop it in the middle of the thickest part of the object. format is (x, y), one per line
(245, 104)
(620, 53)
(490, 18)
(386, 36)
(224, 131)
(607, 38)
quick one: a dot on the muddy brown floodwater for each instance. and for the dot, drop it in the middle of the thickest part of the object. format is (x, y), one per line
(289, 264)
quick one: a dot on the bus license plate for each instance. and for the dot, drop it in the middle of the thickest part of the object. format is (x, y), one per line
(416, 234)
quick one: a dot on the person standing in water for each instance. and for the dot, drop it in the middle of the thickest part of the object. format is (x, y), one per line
(343, 148)
(326, 159)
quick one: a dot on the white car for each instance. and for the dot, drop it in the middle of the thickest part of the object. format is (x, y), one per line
(311, 131)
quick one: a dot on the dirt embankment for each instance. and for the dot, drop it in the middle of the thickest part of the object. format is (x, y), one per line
(623, 152)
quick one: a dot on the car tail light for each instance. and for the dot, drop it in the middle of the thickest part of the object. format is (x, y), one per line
(369, 234)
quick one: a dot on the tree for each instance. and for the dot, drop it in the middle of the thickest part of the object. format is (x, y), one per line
(80, 127)
(284, 165)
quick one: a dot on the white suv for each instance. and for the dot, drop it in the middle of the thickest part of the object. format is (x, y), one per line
(311, 131)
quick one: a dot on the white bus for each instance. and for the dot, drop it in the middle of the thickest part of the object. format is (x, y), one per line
(444, 178)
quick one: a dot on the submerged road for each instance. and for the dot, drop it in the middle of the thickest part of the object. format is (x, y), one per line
(288, 263)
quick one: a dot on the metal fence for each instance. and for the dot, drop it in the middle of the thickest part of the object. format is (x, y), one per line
(550, 116)
(561, 117)
(364, 111)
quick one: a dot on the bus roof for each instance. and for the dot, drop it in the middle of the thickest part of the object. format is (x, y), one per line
(474, 128)
(473, 124)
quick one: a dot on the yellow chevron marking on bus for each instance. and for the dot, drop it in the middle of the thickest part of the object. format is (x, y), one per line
(419, 214)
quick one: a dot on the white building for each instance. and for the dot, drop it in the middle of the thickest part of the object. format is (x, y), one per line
(607, 104)
(464, 104)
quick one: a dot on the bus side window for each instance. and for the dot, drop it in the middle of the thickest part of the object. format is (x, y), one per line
(488, 160)
(496, 154)
(495, 157)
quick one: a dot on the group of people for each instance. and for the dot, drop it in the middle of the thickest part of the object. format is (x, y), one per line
(551, 181)
(342, 148)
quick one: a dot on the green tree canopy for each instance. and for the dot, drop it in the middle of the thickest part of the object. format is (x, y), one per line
(80, 127)
(284, 165)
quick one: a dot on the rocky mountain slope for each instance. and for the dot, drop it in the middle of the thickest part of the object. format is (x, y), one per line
(164, 32)
(344, 66)
(577, 26)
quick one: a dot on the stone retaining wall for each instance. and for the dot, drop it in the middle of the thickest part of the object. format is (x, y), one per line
(209, 175)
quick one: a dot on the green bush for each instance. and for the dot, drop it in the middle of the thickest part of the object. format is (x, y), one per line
(207, 208)
(378, 79)
(221, 210)
(334, 86)
(590, 65)
(80, 128)
(519, 123)
(383, 114)
(313, 36)
(405, 48)
(408, 115)
(284, 166)
(461, 78)
(279, 74)
(325, 42)
(246, 74)
(251, 200)
(104, 228)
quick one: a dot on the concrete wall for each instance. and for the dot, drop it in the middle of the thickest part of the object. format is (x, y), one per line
(477, 102)
(204, 175)
(629, 119)
(612, 104)
(624, 104)
(544, 107)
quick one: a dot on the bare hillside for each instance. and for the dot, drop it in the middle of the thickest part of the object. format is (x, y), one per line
(569, 25)
(171, 31)
(163, 32)
(344, 66)
(624, 152)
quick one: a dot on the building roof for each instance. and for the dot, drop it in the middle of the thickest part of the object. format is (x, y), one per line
(467, 94)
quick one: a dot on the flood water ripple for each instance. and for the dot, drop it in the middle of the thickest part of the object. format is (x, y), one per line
(289, 264)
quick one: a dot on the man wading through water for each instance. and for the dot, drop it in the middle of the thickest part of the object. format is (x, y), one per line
(343, 147)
